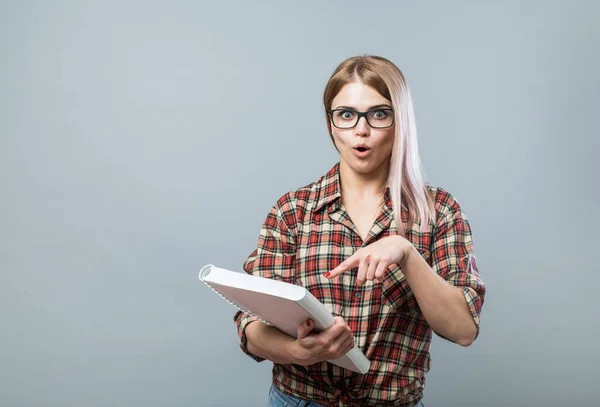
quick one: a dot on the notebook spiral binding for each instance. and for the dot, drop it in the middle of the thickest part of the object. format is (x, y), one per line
(204, 271)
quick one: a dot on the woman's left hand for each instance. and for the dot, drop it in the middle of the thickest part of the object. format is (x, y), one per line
(373, 260)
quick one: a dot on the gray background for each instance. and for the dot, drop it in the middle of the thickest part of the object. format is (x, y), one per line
(142, 140)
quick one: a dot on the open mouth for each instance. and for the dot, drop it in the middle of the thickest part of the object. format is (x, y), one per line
(361, 149)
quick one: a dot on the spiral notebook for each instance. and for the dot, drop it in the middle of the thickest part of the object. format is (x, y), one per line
(280, 304)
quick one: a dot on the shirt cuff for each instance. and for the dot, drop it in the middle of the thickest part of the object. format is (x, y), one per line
(243, 320)
(474, 303)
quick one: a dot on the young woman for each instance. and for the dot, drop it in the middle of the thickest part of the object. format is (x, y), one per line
(391, 256)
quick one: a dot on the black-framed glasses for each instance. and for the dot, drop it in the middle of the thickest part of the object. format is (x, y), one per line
(344, 118)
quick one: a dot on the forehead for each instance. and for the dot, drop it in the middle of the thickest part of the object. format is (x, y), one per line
(359, 96)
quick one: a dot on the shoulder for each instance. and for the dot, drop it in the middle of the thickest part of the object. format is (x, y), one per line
(310, 196)
(295, 204)
(447, 206)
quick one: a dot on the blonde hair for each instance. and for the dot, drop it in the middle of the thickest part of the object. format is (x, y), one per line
(406, 178)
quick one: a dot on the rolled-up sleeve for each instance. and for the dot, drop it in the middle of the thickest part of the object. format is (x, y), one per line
(274, 257)
(242, 321)
(453, 257)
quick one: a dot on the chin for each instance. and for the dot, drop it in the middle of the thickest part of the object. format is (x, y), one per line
(364, 167)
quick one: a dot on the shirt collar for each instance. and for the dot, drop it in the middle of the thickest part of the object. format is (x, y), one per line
(329, 190)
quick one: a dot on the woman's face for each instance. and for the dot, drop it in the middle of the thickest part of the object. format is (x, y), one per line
(378, 142)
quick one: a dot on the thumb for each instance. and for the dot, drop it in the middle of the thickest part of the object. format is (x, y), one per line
(305, 328)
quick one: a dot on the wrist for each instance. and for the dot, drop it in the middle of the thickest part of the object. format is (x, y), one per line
(409, 252)
(291, 350)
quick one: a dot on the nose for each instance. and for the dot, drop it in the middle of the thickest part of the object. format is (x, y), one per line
(362, 127)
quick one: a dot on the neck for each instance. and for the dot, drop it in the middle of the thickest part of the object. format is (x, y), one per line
(371, 184)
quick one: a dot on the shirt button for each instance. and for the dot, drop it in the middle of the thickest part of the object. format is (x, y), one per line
(357, 295)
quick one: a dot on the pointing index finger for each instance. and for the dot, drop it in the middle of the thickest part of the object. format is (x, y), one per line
(343, 266)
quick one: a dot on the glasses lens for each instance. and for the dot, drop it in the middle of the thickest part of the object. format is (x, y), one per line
(344, 119)
(381, 118)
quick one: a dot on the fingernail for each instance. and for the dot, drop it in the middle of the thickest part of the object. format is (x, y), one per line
(327, 274)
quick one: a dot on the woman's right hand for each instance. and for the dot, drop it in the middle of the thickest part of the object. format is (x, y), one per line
(332, 343)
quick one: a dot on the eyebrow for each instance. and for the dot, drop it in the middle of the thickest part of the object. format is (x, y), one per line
(371, 108)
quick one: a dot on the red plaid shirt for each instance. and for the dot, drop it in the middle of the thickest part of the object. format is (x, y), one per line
(307, 233)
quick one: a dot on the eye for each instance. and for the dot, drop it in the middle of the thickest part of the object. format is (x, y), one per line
(380, 114)
(346, 114)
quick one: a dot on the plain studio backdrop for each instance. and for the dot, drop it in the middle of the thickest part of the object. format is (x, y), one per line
(142, 140)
